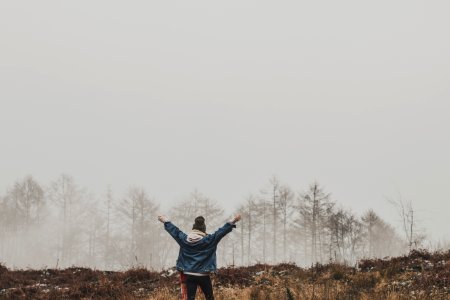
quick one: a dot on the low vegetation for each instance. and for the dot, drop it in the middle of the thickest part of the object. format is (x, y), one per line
(419, 275)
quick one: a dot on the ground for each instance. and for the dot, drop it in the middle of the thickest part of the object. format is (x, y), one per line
(419, 275)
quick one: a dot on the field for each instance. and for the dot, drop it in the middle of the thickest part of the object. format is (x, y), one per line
(419, 275)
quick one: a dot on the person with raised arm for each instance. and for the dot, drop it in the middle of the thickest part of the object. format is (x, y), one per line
(197, 256)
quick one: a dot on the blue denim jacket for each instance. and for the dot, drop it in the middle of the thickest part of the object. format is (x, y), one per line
(198, 257)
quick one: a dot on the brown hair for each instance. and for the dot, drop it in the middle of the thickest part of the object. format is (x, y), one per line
(199, 224)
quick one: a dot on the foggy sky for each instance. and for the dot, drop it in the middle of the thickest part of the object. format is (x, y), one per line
(219, 96)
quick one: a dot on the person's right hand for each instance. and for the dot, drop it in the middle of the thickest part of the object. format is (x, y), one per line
(235, 218)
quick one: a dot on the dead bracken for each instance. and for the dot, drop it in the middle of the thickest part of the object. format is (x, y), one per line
(419, 275)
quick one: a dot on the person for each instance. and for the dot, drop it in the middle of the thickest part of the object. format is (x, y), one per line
(197, 255)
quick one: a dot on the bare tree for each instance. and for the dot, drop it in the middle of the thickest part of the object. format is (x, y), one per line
(25, 201)
(286, 198)
(93, 225)
(67, 198)
(248, 224)
(315, 207)
(30, 199)
(355, 237)
(275, 185)
(302, 222)
(408, 219)
(197, 204)
(370, 220)
(109, 202)
(138, 210)
(8, 226)
(242, 209)
(379, 238)
(261, 214)
(345, 236)
(269, 195)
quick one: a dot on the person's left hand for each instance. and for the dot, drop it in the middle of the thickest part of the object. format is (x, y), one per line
(163, 218)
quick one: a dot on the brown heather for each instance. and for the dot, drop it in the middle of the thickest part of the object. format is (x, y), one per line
(419, 275)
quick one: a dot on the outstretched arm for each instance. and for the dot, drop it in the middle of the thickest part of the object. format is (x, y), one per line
(225, 229)
(173, 230)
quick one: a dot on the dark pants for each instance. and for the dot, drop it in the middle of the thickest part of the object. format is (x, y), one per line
(205, 284)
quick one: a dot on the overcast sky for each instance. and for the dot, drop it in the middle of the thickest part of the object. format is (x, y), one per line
(219, 96)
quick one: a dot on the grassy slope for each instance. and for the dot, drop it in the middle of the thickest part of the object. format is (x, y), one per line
(420, 275)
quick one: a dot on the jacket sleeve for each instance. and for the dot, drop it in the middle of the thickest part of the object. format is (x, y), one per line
(221, 232)
(176, 233)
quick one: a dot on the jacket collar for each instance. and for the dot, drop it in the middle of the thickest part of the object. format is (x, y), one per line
(195, 236)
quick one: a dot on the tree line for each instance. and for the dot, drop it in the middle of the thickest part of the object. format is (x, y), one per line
(62, 224)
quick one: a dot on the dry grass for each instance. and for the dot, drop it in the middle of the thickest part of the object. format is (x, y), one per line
(420, 275)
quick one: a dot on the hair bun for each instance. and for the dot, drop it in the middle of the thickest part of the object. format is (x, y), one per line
(200, 220)
(199, 224)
